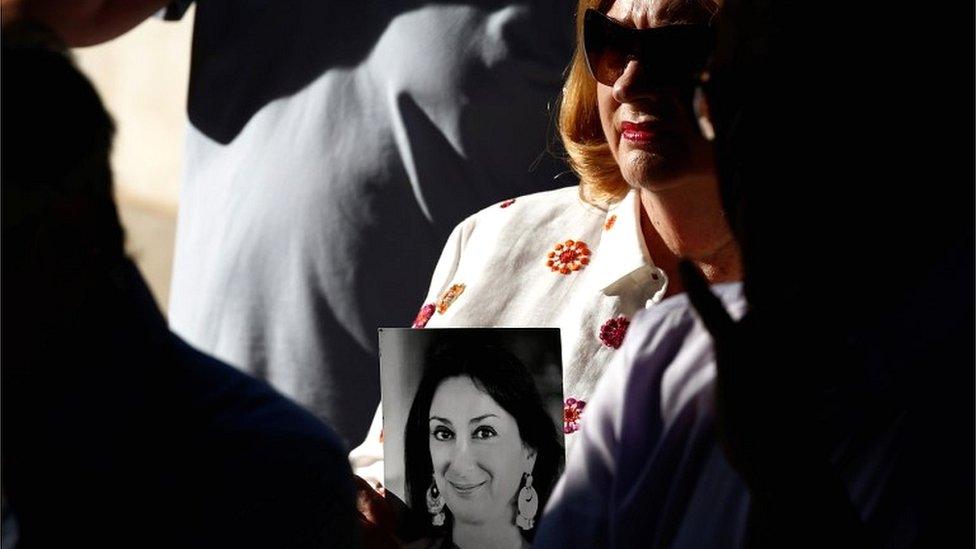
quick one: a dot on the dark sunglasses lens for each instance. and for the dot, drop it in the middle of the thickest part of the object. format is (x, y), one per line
(669, 56)
(607, 66)
(605, 55)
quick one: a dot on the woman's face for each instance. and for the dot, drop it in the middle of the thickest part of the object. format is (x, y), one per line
(477, 453)
(651, 130)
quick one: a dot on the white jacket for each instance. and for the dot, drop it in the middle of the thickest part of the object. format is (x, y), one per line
(548, 259)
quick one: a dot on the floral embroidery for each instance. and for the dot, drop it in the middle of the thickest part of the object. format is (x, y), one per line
(572, 411)
(507, 203)
(613, 331)
(449, 296)
(568, 256)
(610, 221)
(423, 317)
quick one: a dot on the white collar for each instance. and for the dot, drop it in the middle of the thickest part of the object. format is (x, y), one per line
(622, 258)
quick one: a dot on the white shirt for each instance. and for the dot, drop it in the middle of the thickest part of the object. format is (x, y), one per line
(548, 259)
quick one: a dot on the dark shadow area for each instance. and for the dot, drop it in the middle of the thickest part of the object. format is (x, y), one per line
(846, 161)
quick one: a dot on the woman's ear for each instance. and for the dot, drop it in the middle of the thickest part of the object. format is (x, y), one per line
(702, 113)
(530, 455)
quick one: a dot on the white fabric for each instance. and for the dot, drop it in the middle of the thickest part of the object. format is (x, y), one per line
(648, 470)
(500, 256)
(582, 508)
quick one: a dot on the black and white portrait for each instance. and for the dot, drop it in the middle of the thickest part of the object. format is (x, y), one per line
(472, 431)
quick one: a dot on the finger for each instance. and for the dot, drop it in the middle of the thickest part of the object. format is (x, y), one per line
(709, 307)
(368, 501)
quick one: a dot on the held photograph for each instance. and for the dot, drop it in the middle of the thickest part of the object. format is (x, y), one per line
(472, 429)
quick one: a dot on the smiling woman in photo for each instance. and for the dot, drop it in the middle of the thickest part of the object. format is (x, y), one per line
(481, 452)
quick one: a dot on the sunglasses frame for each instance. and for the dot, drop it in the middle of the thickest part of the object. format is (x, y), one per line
(691, 47)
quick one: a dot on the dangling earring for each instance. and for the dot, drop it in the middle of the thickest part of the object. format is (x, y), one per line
(702, 113)
(528, 505)
(435, 504)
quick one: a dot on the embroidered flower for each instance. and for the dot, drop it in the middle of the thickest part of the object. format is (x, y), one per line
(610, 222)
(613, 331)
(449, 296)
(423, 317)
(572, 411)
(507, 203)
(568, 256)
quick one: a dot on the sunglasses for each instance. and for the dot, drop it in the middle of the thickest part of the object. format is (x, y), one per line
(674, 55)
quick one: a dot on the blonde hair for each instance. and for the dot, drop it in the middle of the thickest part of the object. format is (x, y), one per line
(580, 128)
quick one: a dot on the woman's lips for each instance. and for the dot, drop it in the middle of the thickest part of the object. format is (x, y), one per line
(643, 132)
(464, 489)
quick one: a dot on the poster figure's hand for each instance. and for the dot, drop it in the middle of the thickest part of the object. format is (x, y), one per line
(376, 518)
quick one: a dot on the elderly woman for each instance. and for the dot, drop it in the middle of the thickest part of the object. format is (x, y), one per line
(585, 259)
(481, 452)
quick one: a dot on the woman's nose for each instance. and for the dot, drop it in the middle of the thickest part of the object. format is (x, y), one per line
(631, 85)
(462, 459)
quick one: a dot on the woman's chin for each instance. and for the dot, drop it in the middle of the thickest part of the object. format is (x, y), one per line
(652, 169)
(473, 518)
(480, 513)
(656, 180)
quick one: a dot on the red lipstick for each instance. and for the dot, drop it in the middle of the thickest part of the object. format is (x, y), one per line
(639, 133)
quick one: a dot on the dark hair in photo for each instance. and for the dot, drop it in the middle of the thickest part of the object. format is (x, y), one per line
(508, 382)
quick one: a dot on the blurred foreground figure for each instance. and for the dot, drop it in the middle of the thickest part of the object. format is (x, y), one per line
(836, 409)
(844, 396)
(115, 432)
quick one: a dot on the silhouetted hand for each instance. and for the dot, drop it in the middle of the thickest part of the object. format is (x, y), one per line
(765, 412)
(753, 427)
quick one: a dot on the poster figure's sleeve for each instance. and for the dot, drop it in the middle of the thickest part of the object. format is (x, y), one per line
(578, 511)
(367, 458)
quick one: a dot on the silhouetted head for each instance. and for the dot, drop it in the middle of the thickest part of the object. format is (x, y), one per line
(838, 160)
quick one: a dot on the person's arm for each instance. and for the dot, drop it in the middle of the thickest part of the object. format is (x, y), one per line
(578, 512)
(81, 22)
